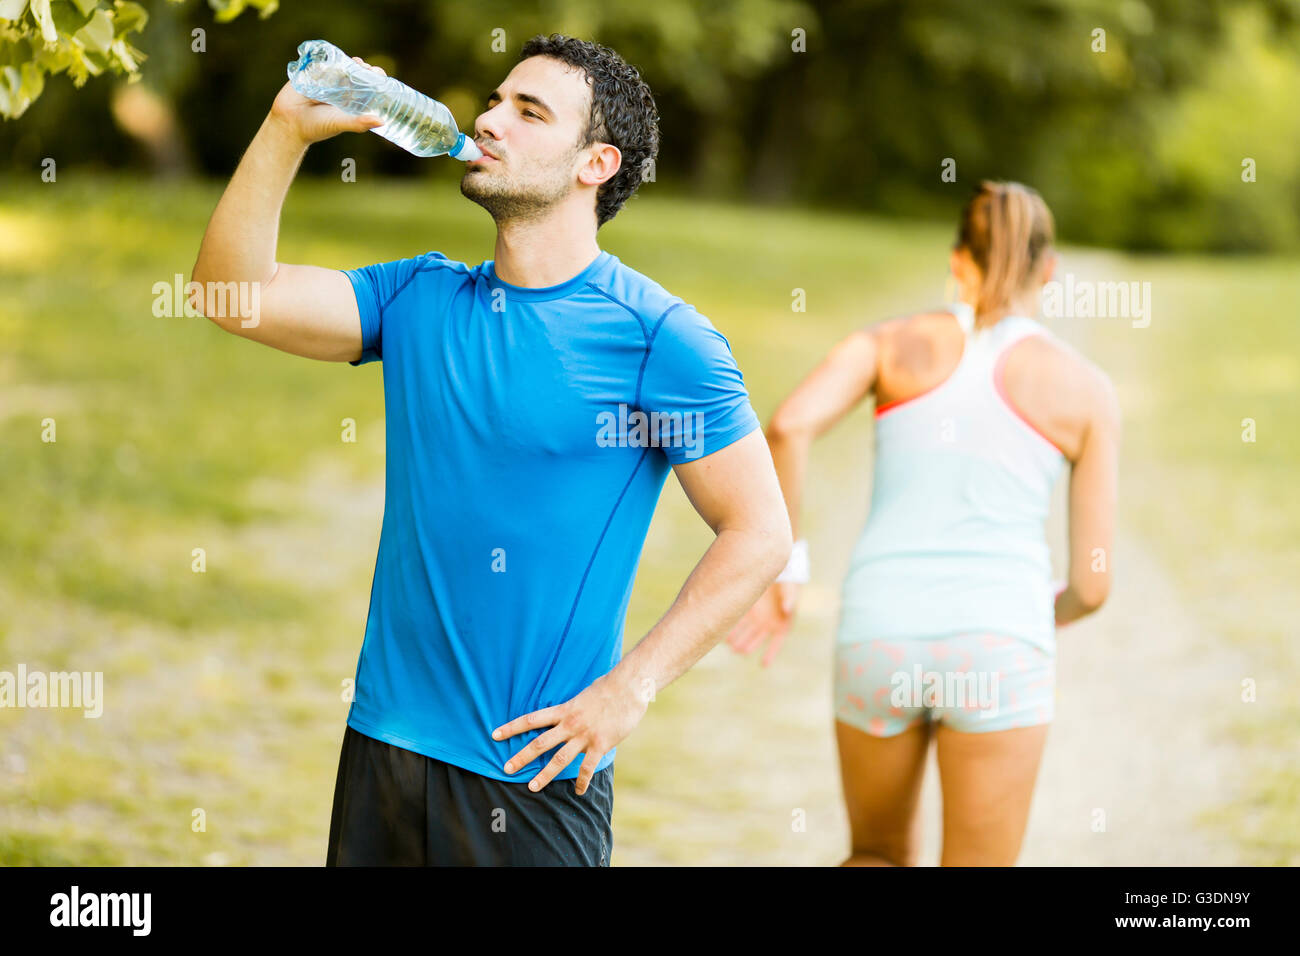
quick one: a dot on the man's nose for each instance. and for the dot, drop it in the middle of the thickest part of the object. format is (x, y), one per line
(485, 125)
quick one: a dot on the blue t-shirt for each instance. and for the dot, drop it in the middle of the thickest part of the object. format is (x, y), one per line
(529, 432)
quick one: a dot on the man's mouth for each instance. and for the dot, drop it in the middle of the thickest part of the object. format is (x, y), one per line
(487, 154)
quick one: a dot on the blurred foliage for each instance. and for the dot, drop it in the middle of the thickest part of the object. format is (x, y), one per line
(82, 38)
(842, 103)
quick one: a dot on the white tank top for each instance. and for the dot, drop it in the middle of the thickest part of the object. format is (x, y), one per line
(955, 540)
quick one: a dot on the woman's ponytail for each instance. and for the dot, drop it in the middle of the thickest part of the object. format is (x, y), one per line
(1007, 228)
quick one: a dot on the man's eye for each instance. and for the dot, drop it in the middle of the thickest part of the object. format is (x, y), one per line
(532, 114)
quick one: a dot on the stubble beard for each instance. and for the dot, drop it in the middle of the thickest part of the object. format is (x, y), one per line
(507, 200)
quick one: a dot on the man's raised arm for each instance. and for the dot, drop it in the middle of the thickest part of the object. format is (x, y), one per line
(305, 310)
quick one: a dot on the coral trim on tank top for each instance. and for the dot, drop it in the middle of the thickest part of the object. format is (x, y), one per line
(890, 406)
(1000, 387)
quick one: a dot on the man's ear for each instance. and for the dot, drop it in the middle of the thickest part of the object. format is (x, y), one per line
(603, 161)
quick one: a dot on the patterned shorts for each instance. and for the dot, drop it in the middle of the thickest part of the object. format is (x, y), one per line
(974, 683)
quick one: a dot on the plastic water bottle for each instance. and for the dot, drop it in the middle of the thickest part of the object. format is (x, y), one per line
(415, 122)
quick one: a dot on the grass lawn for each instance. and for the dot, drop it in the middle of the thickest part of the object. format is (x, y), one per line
(224, 690)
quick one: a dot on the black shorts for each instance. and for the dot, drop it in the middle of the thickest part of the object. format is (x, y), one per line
(395, 807)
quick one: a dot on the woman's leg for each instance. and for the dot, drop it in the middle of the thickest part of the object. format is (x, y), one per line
(990, 743)
(988, 785)
(882, 790)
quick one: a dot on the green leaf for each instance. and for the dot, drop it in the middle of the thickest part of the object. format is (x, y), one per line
(98, 33)
(45, 20)
(102, 61)
(227, 10)
(129, 17)
(12, 9)
(53, 59)
(82, 38)
(15, 52)
(67, 18)
(88, 65)
(128, 57)
(11, 107)
(33, 82)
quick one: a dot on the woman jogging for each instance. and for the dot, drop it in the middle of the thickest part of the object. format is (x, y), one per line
(948, 618)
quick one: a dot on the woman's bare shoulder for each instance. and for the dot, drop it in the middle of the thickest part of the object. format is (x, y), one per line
(1053, 376)
(902, 331)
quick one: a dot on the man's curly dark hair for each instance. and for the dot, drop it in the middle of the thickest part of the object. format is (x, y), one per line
(623, 113)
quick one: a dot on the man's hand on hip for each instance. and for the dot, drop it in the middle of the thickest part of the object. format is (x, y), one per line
(592, 723)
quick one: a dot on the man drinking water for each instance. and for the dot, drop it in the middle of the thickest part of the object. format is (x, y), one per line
(490, 691)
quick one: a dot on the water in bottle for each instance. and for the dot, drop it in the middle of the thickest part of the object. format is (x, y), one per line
(415, 122)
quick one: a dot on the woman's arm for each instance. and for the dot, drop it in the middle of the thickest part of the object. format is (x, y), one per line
(1094, 481)
(844, 378)
(834, 388)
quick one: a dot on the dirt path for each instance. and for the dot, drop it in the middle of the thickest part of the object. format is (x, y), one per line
(737, 765)
(723, 776)
(734, 764)
(1137, 688)
(1141, 685)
